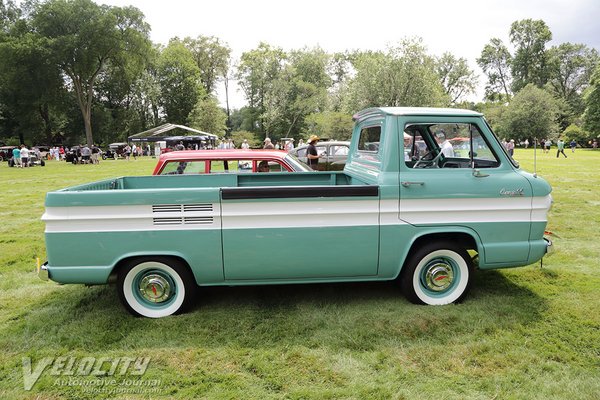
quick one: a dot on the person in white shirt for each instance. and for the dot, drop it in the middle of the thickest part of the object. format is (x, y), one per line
(24, 156)
(445, 145)
(245, 145)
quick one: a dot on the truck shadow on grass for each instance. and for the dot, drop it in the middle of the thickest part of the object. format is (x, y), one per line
(346, 316)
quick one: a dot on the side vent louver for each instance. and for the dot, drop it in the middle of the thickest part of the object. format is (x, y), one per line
(165, 208)
(183, 209)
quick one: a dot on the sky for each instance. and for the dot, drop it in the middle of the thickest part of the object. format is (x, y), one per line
(461, 27)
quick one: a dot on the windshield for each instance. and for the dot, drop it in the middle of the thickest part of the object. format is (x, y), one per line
(512, 160)
(447, 145)
(296, 164)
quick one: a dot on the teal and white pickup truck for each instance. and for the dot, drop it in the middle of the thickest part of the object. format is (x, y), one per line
(426, 197)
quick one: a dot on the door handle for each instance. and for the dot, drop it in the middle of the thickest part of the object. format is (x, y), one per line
(408, 183)
(478, 174)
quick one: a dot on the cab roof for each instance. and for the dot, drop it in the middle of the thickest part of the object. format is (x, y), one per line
(421, 111)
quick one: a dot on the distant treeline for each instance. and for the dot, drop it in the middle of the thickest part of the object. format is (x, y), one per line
(73, 71)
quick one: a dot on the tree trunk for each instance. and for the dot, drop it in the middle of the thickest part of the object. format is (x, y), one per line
(226, 81)
(45, 115)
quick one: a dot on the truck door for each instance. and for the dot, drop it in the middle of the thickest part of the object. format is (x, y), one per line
(300, 233)
(441, 184)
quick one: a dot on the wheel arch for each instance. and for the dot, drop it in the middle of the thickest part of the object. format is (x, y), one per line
(112, 278)
(459, 235)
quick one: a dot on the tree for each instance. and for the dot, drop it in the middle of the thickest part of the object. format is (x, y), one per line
(403, 76)
(211, 57)
(179, 79)
(257, 71)
(530, 62)
(532, 113)
(495, 61)
(457, 78)
(9, 14)
(571, 67)
(31, 86)
(576, 133)
(307, 82)
(207, 116)
(591, 116)
(84, 37)
(253, 141)
(329, 124)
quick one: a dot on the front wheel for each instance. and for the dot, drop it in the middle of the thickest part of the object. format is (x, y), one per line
(156, 287)
(436, 274)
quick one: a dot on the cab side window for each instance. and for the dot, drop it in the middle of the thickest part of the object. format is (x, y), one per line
(369, 139)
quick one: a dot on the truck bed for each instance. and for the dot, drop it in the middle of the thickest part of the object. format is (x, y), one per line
(149, 189)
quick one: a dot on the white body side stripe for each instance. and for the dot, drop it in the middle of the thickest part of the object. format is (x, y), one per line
(294, 214)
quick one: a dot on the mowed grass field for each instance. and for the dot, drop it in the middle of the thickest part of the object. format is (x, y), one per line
(525, 333)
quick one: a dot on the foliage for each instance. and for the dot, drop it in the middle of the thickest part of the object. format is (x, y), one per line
(571, 67)
(84, 38)
(493, 112)
(530, 62)
(402, 76)
(179, 79)
(211, 57)
(591, 117)
(457, 78)
(574, 132)
(207, 116)
(329, 124)
(31, 88)
(9, 13)
(257, 71)
(531, 113)
(102, 58)
(495, 61)
(253, 141)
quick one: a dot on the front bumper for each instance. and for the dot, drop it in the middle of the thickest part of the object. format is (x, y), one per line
(42, 271)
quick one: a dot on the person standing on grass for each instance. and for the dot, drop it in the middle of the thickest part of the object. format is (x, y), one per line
(573, 144)
(86, 154)
(127, 152)
(547, 145)
(95, 154)
(561, 148)
(24, 156)
(17, 157)
(510, 146)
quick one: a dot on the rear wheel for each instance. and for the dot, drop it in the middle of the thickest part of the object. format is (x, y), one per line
(156, 287)
(437, 273)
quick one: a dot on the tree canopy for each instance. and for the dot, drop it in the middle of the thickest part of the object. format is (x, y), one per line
(74, 71)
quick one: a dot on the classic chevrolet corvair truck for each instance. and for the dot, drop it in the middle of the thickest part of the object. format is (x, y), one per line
(426, 197)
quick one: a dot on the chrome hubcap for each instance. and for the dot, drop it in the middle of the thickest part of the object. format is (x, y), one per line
(155, 288)
(439, 276)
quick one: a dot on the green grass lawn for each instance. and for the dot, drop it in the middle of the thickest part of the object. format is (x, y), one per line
(526, 333)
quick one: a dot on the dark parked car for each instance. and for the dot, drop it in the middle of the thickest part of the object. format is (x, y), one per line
(334, 154)
(6, 152)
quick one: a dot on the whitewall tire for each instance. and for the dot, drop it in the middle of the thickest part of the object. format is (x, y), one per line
(155, 287)
(436, 274)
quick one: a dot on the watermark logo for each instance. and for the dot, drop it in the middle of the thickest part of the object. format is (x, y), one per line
(87, 371)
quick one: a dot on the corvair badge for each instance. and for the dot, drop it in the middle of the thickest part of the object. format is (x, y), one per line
(511, 193)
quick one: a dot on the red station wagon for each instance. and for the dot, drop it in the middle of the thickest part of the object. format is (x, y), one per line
(224, 161)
